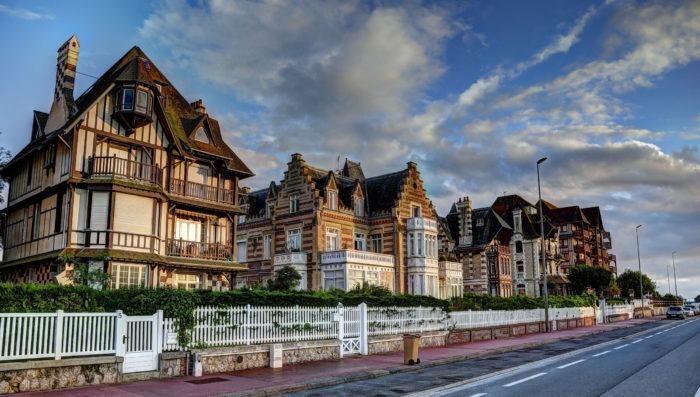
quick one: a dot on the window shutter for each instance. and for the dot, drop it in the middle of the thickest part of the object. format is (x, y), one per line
(133, 214)
(98, 210)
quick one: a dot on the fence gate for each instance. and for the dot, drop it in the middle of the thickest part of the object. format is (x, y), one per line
(352, 329)
(140, 341)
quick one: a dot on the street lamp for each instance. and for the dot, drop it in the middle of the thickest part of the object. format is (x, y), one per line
(639, 261)
(673, 257)
(542, 254)
(668, 280)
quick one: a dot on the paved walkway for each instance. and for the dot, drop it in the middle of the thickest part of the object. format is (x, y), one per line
(269, 381)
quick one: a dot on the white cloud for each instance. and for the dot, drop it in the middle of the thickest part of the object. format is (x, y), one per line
(22, 13)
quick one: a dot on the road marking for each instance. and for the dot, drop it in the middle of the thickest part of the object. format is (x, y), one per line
(600, 354)
(637, 341)
(620, 347)
(697, 393)
(478, 394)
(650, 336)
(525, 379)
(570, 364)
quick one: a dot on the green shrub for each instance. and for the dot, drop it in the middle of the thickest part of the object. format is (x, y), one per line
(35, 298)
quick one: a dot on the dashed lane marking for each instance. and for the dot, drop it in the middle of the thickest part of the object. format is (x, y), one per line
(570, 364)
(600, 354)
(478, 394)
(517, 382)
(637, 341)
(621, 347)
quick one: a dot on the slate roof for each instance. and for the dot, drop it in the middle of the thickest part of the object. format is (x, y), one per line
(594, 217)
(504, 205)
(353, 170)
(381, 192)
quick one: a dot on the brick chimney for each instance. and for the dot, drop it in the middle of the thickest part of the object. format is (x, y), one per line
(464, 206)
(199, 106)
(63, 106)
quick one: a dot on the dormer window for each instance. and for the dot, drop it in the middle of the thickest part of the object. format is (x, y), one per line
(133, 106)
(333, 200)
(202, 136)
(360, 207)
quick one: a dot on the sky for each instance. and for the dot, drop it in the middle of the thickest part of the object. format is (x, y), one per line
(474, 92)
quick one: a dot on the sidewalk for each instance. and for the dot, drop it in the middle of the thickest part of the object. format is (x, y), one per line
(269, 381)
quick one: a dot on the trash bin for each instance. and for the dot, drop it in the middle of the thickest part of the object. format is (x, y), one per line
(410, 349)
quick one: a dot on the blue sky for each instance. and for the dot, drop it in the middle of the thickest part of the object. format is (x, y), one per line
(473, 91)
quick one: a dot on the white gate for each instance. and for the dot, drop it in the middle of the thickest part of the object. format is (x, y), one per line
(140, 341)
(352, 330)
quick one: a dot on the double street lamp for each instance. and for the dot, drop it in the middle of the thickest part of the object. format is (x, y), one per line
(639, 261)
(542, 254)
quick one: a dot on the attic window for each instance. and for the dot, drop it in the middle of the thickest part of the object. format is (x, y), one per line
(202, 136)
(134, 106)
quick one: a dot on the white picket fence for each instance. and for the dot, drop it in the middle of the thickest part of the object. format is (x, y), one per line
(56, 335)
(252, 325)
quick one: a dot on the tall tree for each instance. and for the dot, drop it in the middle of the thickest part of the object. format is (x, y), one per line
(629, 280)
(583, 277)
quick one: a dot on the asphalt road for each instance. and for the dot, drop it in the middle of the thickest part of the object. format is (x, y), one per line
(642, 354)
(665, 362)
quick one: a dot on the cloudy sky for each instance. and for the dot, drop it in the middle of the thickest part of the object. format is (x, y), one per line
(473, 91)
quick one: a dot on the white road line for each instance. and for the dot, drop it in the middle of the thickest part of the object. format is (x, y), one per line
(525, 379)
(637, 341)
(600, 354)
(570, 364)
(620, 347)
(697, 393)
(650, 336)
(478, 394)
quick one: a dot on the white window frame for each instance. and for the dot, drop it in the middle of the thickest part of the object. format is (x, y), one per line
(293, 204)
(294, 239)
(376, 242)
(360, 207)
(135, 275)
(415, 211)
(332, 239)
(333, 200)
(187, 281)
(360, 242)
(267, 246)
(241, 250)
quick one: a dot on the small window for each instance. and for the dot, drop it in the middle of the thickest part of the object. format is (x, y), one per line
(202, 136)
(332, 200)
(241, 251)
(241, 218)
(519, 247)
(267, 246)
(415, 211)
(360, 207)
(293, 204)
(376, 241)
(332, 239)
(269, 210)
(360, 242)
(127, 99)
(186, 281)
(128, 276)
(294, 240)
(142, 102)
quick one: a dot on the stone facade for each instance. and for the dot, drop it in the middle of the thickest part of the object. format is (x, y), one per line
(50, 375)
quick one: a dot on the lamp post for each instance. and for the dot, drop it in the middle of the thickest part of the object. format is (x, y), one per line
(668, 280)
(542, 254)
(639, 261)
(675, 285)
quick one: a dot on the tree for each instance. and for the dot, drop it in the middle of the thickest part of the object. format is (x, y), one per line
(583, 277)
(286, 279)
(629, 280)
(697, 298)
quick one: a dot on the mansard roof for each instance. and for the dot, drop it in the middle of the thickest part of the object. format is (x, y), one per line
(353, 170)
(566, 215)
(593, 216)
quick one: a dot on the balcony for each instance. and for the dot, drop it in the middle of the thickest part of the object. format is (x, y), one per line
(115, 166)
(202, 192)
(449, 269)
(116, 239)
(196, 249)
(421, 224)
(357, 257)
(290, 258)
(421, 262)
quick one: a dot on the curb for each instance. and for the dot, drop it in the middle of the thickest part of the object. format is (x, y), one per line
(359, 376)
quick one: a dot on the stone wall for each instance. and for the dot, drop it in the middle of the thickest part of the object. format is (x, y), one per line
(226, 359)
(44, 375)
(459, 336)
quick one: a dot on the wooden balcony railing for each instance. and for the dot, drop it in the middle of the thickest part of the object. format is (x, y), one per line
(196, 249)
(117, 239)
(202, 192)
(115, 166)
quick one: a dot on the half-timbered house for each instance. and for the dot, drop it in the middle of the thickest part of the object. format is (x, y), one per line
(129, 178)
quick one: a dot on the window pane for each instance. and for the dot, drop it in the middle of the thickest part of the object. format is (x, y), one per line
(128, 99)
(142, 102)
